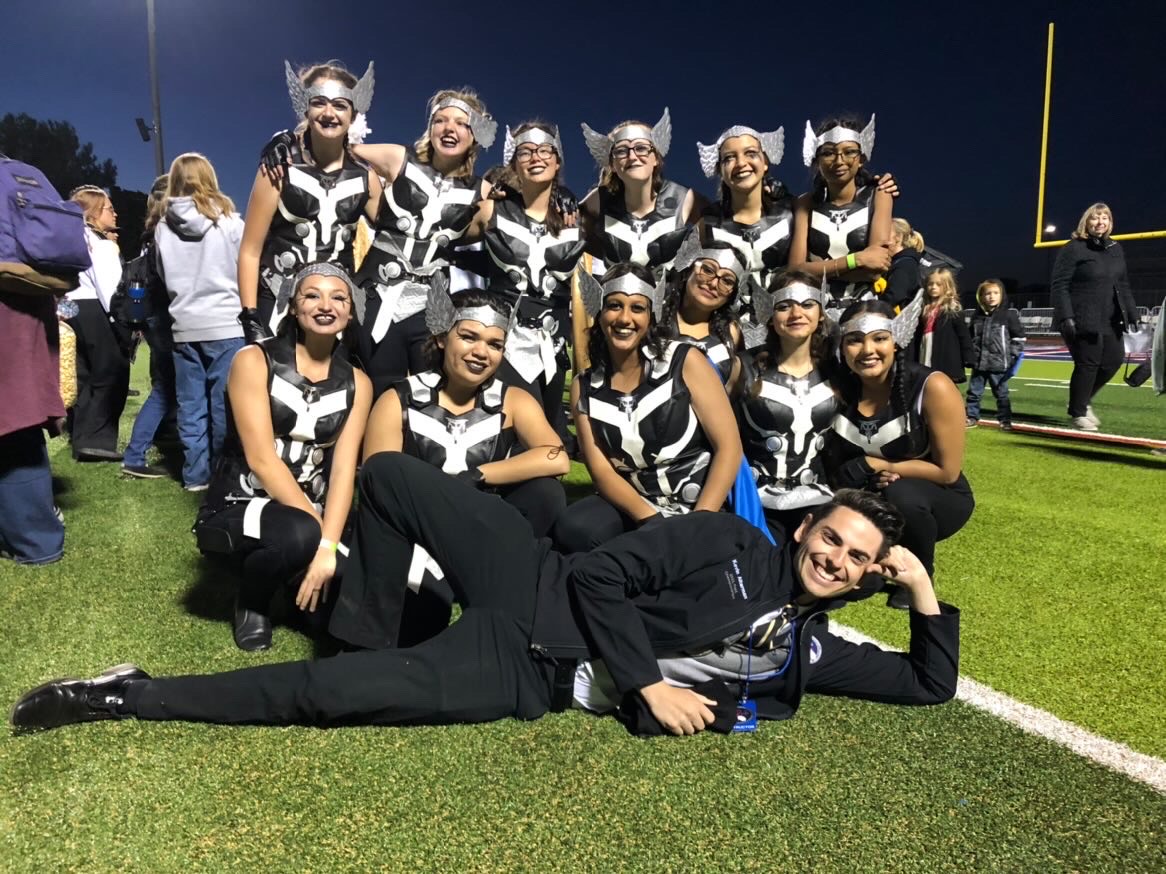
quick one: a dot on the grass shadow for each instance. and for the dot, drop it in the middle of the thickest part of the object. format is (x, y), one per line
(1147, 461)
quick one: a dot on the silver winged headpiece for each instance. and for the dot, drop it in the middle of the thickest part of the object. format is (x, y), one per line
(360, 96)
(765, 302)
(772, 143)
(838, 134)
(441, 314)
(593, 291)
(482, 125)
(535, 135)
(692, 250)
(902, 326)
(599, 145)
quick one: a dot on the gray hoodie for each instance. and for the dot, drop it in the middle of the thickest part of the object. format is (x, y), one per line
(199, 260)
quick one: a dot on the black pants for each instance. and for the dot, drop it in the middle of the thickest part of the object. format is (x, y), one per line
(931, 513)
(548, 394)
(588, 524)
(287, 542)
(399, 352)
(1096, 358)
(478, 669)
(103, 380)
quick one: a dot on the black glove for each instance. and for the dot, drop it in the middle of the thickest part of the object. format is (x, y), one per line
(855, 474)
(472, 477)
(253, 328)
(282, 149)
(564, 201)
(1068, 329)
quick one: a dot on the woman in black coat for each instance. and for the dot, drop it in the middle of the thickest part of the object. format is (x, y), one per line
(1092, 305)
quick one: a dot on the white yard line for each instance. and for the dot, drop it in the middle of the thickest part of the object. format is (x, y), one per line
(1110, 754)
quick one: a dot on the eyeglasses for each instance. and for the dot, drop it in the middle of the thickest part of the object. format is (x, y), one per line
(848, 155)
(523, 155)
(640, 150)
(785, 306)
(726, 280)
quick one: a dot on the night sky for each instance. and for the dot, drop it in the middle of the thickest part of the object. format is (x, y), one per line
(958, 93)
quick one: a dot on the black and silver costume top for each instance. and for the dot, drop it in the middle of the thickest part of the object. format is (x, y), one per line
(314, 221)
(652, 240)
(526, 259)
(651, 436)
(893, 433)
(306, 417)
(422, 214)
(837, 230)
(717, 351)
(783, 421)
(451, 442)
(764, 245)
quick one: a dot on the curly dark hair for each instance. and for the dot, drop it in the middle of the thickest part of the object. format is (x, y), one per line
(432, 353)
(597, 351)
(862, 178)
(720, 322)
(290, 328)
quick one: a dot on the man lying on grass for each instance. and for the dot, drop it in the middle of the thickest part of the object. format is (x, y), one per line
(670, 625)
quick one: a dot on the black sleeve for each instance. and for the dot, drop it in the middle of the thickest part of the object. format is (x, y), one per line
(902, 282)
(1125, 297)
(659, 556)
(965, 339)
(472, 260)
(926, 674)
(1063, 269)
(1015, 326)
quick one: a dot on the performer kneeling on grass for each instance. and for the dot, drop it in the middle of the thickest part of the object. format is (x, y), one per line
(702, 600)
(296, 414)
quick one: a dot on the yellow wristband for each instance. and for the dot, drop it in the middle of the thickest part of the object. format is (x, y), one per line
(330, 545)
(851, 261)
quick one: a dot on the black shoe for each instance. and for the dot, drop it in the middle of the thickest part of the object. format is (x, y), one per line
(133, 393)
(1005, 426)
(252, 630)
(143, 471)
(97, 455)
(64, 702)
(899, 599)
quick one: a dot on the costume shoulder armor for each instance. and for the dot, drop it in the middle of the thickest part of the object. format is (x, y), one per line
(420, 389)
(493, 394)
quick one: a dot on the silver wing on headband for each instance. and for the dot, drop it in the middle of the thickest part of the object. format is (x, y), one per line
(662, 133)
(867, 140)
(440, 313)
(907, 321)
(508, 146)
(689, 251)
(763, 303)
(295, 90)
(362, 92)
(597, 144)
(809, 144)
(286, 290)
(485, 130)
(710, 157)
(659, 293)
(772, 143)
(590, 291)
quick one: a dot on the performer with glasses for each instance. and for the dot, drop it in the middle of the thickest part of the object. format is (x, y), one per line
(842, 226)
(655, 426)
(635, 215)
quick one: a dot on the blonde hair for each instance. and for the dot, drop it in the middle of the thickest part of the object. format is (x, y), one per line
(191, 175)
(1094, 209)
(950, 298)
(910, 238)
(985, 285)
(424, 148)
(91, 199)
(607, 176)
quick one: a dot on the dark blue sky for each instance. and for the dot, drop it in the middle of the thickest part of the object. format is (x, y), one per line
(958, 92)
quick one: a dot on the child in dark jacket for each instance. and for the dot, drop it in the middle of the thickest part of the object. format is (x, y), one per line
(997, 342)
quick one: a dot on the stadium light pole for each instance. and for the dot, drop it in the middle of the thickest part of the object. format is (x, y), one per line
(159, 151)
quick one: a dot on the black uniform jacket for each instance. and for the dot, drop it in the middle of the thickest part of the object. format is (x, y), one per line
(684, 584)
(1090, 285)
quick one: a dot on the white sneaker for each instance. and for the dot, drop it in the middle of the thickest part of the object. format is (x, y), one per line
(1091, 416)
(1084, 423)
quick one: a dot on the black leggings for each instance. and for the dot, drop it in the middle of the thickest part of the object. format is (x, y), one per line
(1096, 358)
(399, 352)
(590, 523)
(103, 380)
(931, 513)
(287, 543)
(548, 394)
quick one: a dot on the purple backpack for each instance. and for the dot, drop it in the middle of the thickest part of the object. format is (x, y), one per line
(37, 228)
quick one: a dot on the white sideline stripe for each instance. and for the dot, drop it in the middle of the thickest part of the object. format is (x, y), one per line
(1110, 754)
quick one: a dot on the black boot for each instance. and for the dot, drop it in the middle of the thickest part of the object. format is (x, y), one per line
(252, 629)
(899, 599)
(64, 702)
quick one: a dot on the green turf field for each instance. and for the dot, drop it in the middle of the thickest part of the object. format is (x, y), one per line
(1058, 575)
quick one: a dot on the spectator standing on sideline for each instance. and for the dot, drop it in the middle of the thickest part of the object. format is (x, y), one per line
(31, 532)
(903, 281)
(103, 368)
(1092, 303)
(944, 343)
(198, 256)
(162, 400)
(997, 342)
